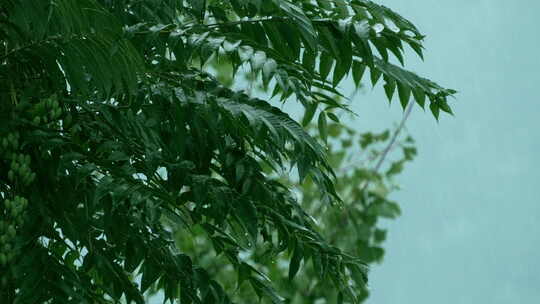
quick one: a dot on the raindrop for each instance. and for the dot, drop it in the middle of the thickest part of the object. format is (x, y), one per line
(379, 27)
(391, 25)
(409, 33)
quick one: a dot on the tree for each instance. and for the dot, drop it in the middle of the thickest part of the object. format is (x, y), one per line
(126, 160)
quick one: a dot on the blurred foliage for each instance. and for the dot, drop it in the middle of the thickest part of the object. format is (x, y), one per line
(353, 225)
(127, 166)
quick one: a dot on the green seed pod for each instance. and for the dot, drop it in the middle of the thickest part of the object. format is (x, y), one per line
(8, 204)
(15, 166)
(68, 121)
(14, 141)
(24, 171)
(6, 248)
(11, 231)
(4, 143)
(15, 212)
(3, 259)
(9, 256)
(10, 175)
(3, 239)
(57, 113)
(28, 173)
(32, 177)
(37, 120)
(20, 220)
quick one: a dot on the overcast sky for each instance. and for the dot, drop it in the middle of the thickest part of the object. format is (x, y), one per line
(471, 203)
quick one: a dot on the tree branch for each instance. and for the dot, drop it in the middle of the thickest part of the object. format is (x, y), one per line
(392, 141)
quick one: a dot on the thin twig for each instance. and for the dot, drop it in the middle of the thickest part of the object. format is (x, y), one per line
(230, 23)
(24, 47)
(392, 141)
(268, 19)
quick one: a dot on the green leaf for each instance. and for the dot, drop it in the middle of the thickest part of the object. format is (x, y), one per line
(326, 4)
(308, 60)
(248, 216)
(358, 71)
(268, 69)
(339, 298)
(309, 113)
(261, 113)
(333, 117)
(375, 76)
(325, 65)
(258, 60)
(296, 259)
(150, 274)
(389, 88)
(434, 107)
(420, 97)
(263, 289)
(360, 38)
(275, 36)
(316, 262)
(404, 94)
(301, 20)
(445, 107)
(385, 209)
(198, 7)
(395, 168)
(329, 42)
(342, 68)
(380, 235)
(322, 123)
(244, 273)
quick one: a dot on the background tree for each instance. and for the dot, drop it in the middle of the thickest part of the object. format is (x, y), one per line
(120, 148)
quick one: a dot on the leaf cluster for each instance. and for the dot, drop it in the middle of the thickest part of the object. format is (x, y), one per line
(123, 147)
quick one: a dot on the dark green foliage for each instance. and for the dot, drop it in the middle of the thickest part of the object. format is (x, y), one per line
(352, 226)
(124, 163)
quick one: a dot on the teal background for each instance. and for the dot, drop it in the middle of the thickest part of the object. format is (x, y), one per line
(469, 230)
